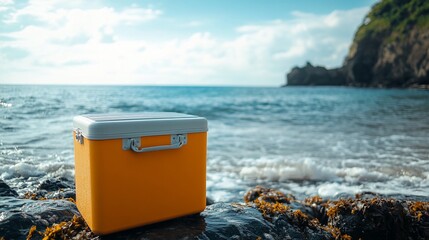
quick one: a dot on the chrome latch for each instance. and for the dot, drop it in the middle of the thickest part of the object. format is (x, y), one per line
(78, 135)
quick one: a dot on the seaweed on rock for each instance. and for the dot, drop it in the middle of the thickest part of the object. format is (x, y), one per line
(76, 228)
(352, 218)
(267, 214)
(36, 196)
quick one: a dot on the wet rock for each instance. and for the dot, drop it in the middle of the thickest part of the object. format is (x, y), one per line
(6, 191)
(209, 201)
(62, 194)
(76, 228)
(282, 224)
(69, 195)
(267, 214)
(19, 215)
(218, 221)
(221, 221)
(289, 215)
(366, 216)
(229, 221)
(59, 188)
(268, 195)
(381, 218)
(55, 184)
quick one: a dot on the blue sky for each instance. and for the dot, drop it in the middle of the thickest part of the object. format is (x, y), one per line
(188, 42)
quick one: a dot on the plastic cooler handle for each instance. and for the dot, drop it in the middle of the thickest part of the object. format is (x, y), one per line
(177, 141)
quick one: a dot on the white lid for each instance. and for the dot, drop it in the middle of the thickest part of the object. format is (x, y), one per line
(126, 125)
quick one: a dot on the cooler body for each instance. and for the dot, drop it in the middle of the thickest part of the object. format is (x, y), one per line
(134, 179)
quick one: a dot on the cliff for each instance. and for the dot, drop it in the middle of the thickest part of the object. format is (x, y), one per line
(390, 49)
(315, 76)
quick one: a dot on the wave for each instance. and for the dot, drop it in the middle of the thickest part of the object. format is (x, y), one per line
(308, 169)
(29, 169)
(5, 105)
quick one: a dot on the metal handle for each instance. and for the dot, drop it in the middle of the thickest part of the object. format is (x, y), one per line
(177, 141)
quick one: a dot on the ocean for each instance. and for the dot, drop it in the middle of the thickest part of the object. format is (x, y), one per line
(326, 141)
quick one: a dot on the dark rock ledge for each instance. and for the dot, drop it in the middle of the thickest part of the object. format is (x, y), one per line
(264, 214)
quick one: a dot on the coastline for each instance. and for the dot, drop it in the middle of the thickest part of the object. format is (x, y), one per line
(413, 87)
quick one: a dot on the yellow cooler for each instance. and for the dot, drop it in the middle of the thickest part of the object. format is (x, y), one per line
(137, 169)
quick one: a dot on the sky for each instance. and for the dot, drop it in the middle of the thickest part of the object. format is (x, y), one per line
(187, 42)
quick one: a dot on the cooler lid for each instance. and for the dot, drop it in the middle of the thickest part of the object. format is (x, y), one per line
(126, 125)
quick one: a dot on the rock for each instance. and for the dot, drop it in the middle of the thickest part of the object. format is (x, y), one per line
(6, 191)
(221, 221)
(266, 214)
(76, 228)
(218, 221)
(315, 76)
(380, 218)
(62, 194)
(59, 188)
(19, 215)
(298, 219)
(209, 201)
(268, 195)
(55, 184)
(389, 49)
(359, 218)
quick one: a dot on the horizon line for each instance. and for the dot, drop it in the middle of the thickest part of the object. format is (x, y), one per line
(136, 85)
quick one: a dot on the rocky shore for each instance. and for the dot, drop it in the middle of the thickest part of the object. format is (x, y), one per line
(389, 49)
(50, 213)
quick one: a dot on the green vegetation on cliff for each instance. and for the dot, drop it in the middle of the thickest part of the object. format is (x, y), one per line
(390, 49)
(395, 16)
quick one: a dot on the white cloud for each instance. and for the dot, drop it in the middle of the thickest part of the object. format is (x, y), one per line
(76, 45)
(5, 5)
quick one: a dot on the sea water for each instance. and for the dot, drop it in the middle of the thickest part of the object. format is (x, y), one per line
(326, 141)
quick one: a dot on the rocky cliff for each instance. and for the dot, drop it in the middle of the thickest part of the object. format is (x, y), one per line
(315, 76)
(390, 49)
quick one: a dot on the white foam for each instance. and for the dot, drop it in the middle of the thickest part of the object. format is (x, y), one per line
(21, 169)
(221, 195)
(358, 174)
(288, 170)
(5, 105)
(280, 169)
(334, 189)
(33, 169)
